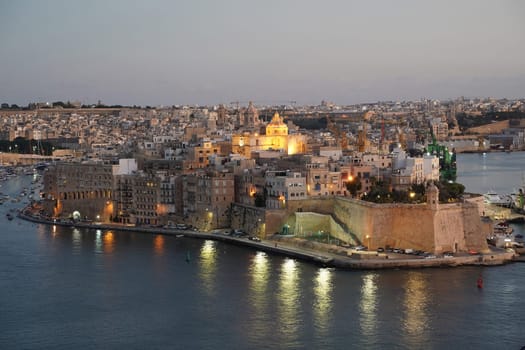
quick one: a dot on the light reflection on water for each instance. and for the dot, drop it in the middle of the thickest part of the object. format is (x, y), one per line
(207, 262)
(415, 305)
(323, 300)
(368, 304)
(98, 242)
(279, 303)
(76, 238)
(109, 242)
(158, 245)
(259, 272)
(288, 300)
(259, 294)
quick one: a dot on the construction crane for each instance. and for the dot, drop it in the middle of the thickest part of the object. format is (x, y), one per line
(337, 132)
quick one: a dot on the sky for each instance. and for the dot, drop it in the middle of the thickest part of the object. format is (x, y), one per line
(206, 52)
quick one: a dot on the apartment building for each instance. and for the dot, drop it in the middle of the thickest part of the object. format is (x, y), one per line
(283, 186)
(207, 197)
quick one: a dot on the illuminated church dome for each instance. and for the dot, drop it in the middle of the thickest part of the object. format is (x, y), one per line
(277, 127)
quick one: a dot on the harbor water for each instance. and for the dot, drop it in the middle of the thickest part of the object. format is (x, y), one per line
(71, 288)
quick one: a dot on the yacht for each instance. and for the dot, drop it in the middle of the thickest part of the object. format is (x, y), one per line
(492, 197)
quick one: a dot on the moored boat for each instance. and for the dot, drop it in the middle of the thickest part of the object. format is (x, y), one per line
(492, 197)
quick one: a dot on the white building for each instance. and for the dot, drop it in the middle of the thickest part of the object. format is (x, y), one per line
(283, 186)
(407, 171)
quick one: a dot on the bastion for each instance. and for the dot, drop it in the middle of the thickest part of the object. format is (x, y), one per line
(430, 226)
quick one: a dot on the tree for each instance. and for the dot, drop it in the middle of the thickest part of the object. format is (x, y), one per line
(260, 200)
(354, 186)
(58, 104)
(450, 192)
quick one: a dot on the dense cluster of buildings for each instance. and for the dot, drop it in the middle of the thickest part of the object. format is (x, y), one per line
(198, 165)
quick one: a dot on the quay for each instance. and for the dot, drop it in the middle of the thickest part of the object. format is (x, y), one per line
(356, 261)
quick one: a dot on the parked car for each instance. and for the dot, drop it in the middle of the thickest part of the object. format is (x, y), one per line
(380, 250)
(254, 238)
(473, 252)
(448, 254)
(360, 248)
(238, 233)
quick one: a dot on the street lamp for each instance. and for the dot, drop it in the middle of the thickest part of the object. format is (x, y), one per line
(368, 239)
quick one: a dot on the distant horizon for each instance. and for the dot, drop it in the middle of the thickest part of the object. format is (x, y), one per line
(261, 104)
(207, 53)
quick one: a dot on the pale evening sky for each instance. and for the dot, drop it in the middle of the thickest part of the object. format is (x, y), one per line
(272, 51)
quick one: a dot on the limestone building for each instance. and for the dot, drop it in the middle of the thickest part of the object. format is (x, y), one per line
(79, 191)
(322, 181)
(207, 197)
(146, 193)
(276, 138)
(284, 186)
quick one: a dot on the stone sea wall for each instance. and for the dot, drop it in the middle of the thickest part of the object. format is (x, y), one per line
(449, 227)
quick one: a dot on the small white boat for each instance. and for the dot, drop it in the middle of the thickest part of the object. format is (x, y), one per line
(497, 199)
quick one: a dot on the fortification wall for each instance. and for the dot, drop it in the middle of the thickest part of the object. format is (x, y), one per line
(412, 227)
(452, 227)
(321, 205)
(394, 225)
(252, 220)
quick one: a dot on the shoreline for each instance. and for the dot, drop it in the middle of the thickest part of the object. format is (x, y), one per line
(357, 261)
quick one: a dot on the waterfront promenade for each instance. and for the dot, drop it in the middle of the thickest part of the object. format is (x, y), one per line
(283, 246)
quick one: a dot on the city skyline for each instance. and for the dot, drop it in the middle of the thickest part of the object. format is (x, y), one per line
(203, 52)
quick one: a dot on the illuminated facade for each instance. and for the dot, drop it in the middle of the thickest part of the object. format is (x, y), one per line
(276, 139)
(84, 188)
(322, 181)
(199, 155)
